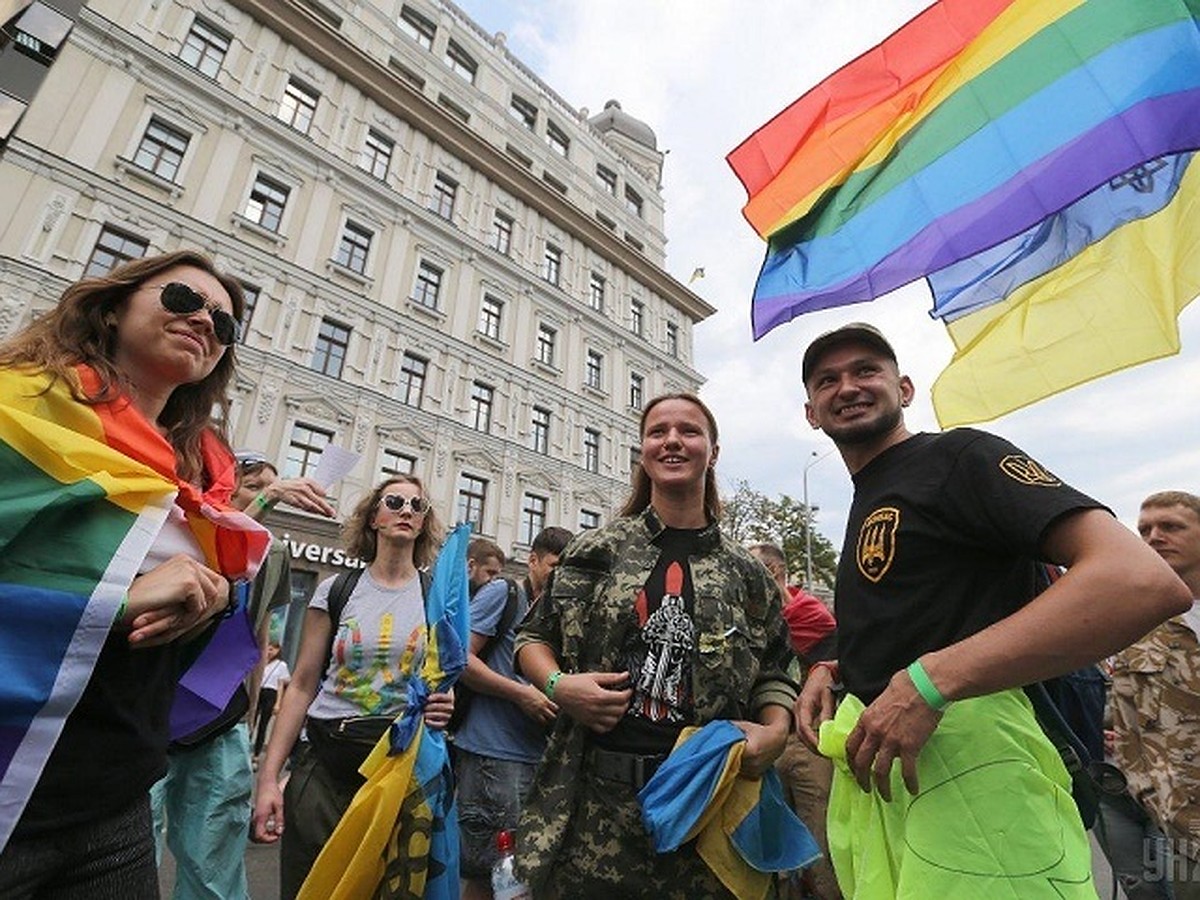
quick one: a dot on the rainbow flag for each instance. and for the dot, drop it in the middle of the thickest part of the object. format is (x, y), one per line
(968, 128)
(399, 836)
(84, 491)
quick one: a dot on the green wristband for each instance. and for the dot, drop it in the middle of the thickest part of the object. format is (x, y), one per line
(121, 609)
(263, 503)
(551, 683)
(925, 686)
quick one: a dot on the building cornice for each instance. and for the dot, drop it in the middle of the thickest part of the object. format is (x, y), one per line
(312, 36)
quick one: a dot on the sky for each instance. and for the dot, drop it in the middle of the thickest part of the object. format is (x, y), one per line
(704, 75)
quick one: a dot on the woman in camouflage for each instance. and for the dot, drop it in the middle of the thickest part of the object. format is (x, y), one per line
(652, 623)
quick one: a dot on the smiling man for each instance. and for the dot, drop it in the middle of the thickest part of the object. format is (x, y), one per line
(938, 627)
(1154, 831)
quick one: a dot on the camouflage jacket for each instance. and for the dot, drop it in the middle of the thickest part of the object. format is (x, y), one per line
(1156, 713)
(588, 610)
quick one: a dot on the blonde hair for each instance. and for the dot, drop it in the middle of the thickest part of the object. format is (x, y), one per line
(360, 536)
(1173, 498)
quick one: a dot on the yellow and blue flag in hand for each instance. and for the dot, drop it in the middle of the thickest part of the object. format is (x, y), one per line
(743, 828)
(399, 837)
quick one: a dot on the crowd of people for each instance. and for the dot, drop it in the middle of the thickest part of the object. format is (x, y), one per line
(901, 730)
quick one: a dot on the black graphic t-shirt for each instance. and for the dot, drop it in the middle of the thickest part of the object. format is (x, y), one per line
(659, 653)
(940, 543)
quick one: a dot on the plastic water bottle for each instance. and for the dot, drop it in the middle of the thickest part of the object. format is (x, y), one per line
(505, 885)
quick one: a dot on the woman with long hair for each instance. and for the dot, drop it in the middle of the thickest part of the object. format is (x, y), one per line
(652, 623)
(351, 675)
(118, 540)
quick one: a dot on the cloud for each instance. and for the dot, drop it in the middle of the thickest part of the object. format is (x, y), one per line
(705, 75)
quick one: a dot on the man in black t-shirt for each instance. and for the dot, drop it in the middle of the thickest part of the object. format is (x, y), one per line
(935, 603)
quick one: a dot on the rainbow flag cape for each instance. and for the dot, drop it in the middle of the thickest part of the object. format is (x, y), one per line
(84, 491)
(969, 141)
(399, 836)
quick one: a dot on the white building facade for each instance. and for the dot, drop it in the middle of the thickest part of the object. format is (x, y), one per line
(452, 272)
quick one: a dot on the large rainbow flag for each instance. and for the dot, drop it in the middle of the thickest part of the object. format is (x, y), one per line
(399, 836)
(1013, 143)
(84, 491)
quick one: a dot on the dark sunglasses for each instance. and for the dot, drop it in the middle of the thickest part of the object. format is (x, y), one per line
(182, 300)
(396, 503)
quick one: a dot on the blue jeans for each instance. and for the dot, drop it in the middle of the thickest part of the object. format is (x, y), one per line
(205, 796)
(490, 792)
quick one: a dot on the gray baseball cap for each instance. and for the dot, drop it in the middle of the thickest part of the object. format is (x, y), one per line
(855, 331)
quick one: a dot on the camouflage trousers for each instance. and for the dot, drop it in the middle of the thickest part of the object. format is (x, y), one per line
(608, 854)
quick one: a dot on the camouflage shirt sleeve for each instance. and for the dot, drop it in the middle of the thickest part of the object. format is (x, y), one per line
(541, 625)
(773, 687)
(555, 616)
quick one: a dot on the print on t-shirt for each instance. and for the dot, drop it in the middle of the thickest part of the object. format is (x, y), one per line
(373, 686)
(877, 542)
(662, 680)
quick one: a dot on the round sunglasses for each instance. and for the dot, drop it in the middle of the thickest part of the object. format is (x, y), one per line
(396, 503)
(181, 299)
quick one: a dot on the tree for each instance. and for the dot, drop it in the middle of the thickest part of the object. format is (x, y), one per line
(751, 517)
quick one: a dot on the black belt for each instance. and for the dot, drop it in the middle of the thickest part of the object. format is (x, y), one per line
(628, 768)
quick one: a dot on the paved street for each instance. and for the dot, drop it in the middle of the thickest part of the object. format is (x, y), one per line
(262, 868)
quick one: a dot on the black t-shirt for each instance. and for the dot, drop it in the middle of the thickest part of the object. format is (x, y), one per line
(113, 746)
(940, 543)
(659, 653)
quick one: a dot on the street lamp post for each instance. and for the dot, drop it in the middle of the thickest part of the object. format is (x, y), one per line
(808, 519)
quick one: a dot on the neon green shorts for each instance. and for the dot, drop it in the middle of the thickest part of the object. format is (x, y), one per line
(994, 818)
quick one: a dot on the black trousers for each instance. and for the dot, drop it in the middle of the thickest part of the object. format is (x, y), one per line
(266, 706)
(106, 859)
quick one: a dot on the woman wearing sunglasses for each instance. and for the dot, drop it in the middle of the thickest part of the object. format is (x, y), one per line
(351, 677)
(118, 539)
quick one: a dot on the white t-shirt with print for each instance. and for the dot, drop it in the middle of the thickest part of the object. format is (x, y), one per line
(275, 671)
(380, 638)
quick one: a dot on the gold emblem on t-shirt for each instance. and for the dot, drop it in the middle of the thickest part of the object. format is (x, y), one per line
(1023, 469)
(877, 542)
